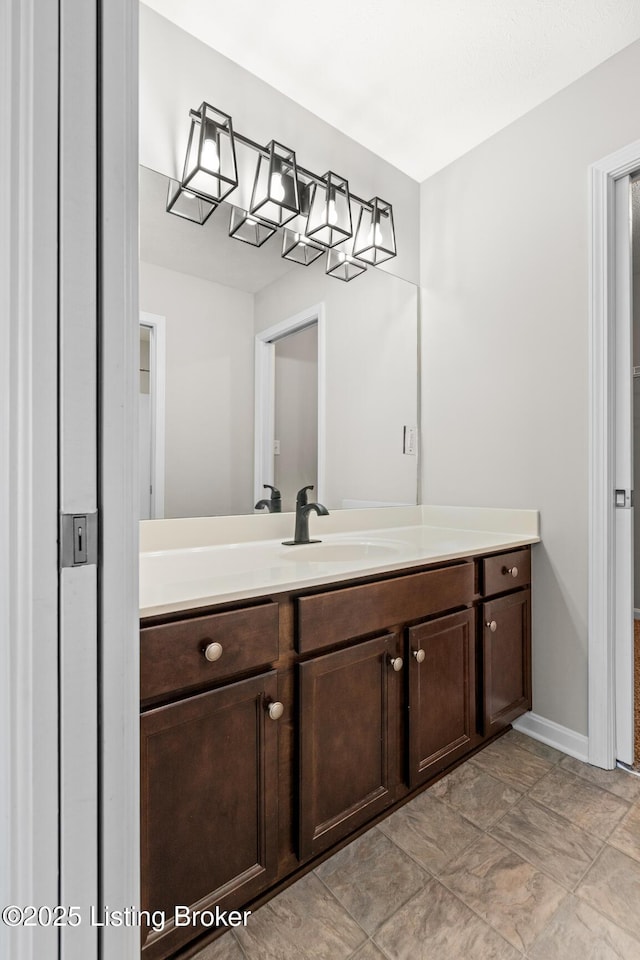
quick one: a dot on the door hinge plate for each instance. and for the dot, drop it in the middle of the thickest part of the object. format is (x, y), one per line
(78, 539)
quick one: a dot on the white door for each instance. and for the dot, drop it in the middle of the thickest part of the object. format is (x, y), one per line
(623, 473)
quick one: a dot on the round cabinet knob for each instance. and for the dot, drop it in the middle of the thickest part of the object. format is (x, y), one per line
(510, 571)
(275, 709)
(213, 651)
(493, 626)
(396, 663)
(419, 655)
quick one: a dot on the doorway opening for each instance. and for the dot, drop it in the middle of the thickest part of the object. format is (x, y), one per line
(290, 406)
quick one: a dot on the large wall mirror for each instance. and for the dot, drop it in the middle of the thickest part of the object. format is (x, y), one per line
(256, 370)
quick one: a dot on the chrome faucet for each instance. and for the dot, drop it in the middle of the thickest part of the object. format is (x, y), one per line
(303, 509)
(274, 504)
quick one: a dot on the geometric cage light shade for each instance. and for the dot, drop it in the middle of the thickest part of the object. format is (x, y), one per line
(329, 220)
(183, 203)
(275, 195)
(210, 168)
(375, 239)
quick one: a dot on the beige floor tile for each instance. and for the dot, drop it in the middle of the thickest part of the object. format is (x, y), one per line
(626, 836)
(533, 746)
(371, 878)
(548, 841)
(303, 923)
(510, 894)
(577, 932)
(368, 952)
(623, 784)
(612, 886)
(435, 925)
(225, 948)
(512, 764)
(430, 831)
(595, 810)
(477, 796)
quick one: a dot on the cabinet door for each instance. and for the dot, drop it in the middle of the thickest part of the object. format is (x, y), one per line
(442, 702)
(347, 739)
(506, 647)
(209, 804)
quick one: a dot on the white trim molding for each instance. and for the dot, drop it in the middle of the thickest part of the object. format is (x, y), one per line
(601, 603)
(157, 388)
(119, 616)
(29, 781)
(554, 735)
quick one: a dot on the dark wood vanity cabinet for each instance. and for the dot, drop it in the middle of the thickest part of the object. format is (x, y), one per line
(348, 750)
(506, 639)
(385, 683)
(441, 664)
(506, 654)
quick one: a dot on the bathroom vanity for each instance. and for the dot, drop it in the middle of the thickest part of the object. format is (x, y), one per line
(277, 725)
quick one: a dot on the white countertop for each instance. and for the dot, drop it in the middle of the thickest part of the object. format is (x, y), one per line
(185, 564)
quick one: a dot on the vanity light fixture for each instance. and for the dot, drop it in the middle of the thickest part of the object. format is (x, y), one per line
(298, 247)
(244, 226)
(317, 209)
(210, 166)
(275, 190)
(184, 203)
(375, 239)
(343, 266)
(329, 221)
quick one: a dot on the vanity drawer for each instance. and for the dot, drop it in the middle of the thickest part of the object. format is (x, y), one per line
(506, 571)
(172, 655)
(325, 619)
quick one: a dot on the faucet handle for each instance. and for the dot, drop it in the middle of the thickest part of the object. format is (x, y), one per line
(301, 497)
(275, 494)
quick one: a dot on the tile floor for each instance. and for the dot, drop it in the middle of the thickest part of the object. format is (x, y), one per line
(520, 852)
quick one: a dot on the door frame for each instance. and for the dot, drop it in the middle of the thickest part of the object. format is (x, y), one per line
(29, 629)
(264, 412)
(157, 388)
(604, 564)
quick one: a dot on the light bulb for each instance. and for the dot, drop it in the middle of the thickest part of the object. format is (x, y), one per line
(374, 237)
(277, 188)
(210, 158)
(332, 213)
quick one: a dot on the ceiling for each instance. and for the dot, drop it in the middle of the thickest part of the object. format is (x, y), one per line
(418, 82)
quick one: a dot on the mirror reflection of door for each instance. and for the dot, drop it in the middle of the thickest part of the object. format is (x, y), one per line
(295, 460)
(144, 425)
(151, 416)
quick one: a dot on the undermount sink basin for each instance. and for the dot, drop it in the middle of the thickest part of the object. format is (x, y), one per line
(344, 551)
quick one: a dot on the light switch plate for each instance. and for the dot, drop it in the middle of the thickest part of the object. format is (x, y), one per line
(276, 448)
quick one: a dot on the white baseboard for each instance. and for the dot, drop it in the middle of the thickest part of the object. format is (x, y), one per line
(636, 613)
(554, 735)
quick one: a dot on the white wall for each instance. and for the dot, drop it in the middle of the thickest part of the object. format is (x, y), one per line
(178, 72)
(209, 392)
(372, 356)
(504, 270)
(296, 413)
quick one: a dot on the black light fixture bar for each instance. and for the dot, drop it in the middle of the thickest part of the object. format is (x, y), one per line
(302, 171)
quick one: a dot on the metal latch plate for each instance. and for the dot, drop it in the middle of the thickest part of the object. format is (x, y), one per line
(78, 539)
(624, 498)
